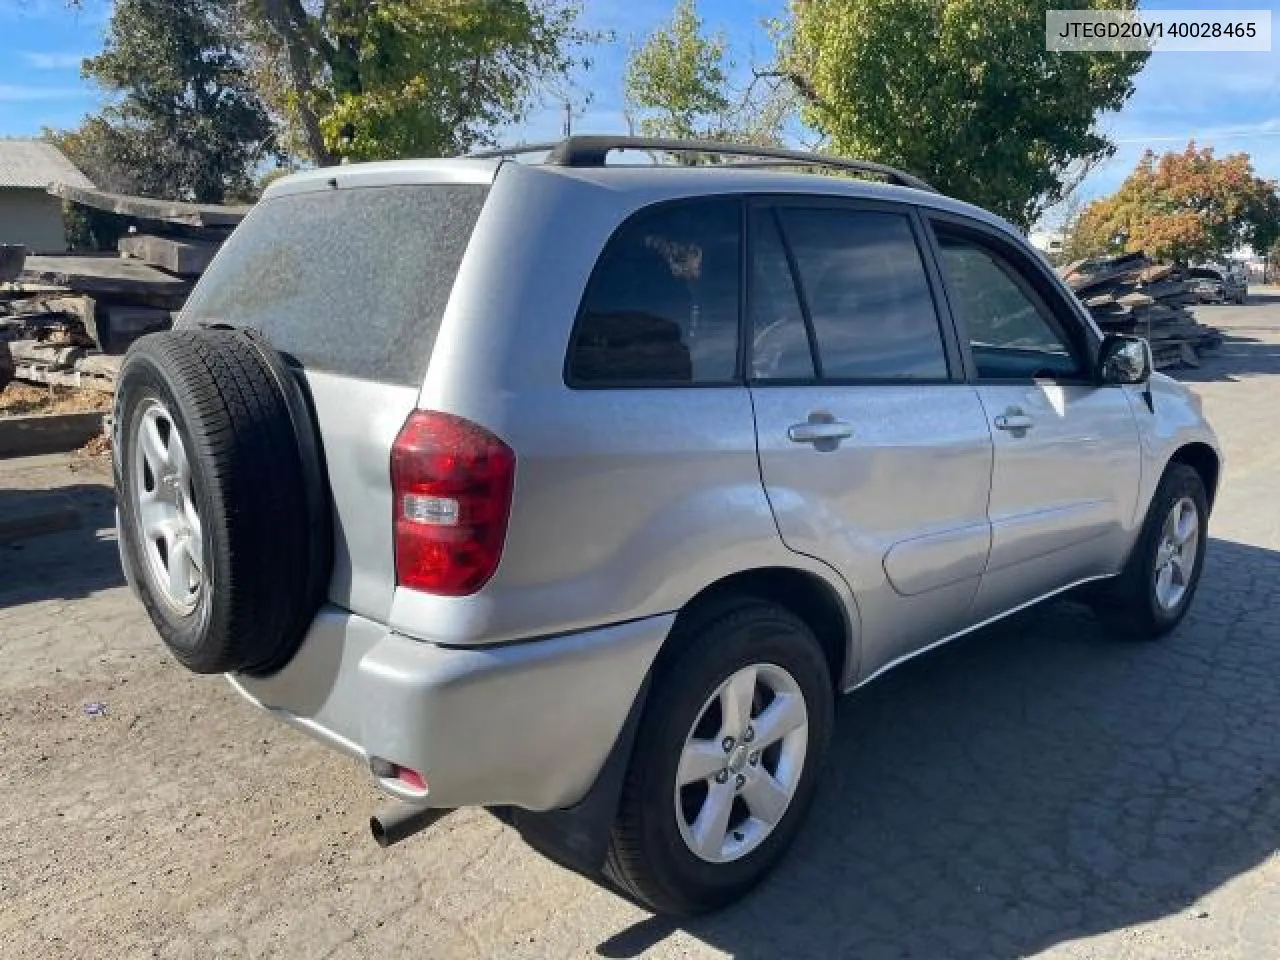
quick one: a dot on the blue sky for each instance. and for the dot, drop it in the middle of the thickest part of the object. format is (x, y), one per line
(1228, 100)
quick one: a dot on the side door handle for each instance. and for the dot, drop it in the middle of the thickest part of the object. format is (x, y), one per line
(820, 432)
(1014, 420)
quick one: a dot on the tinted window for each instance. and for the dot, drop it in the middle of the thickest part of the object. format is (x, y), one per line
(662, 303)
(779, 341)
(351, 281)
(867, 293)
(1011, 338)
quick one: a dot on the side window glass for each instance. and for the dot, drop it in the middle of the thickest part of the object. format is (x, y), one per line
(868, 295)
(1010, 337)
(779, 340)
(662, 304)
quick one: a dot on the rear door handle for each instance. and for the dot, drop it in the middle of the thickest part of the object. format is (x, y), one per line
(1014, 421)
(818, 432)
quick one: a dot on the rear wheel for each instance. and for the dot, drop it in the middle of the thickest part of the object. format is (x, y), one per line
(726, 762)
(1153, 593)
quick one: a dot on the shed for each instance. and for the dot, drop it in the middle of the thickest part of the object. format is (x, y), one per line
(28, 214)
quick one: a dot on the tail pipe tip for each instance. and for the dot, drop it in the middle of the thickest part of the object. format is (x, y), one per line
(403, 820)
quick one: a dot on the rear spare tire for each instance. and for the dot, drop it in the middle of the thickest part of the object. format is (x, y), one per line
(224, 516)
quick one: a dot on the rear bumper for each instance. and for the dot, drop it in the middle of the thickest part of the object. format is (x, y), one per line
(526, 724)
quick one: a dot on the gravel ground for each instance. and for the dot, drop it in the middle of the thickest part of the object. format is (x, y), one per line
(1038, 788)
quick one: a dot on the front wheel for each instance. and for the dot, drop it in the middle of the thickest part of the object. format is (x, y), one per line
(1153, 593)
(726, 762)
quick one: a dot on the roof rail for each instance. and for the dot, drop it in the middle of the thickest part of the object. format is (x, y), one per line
(592, 150)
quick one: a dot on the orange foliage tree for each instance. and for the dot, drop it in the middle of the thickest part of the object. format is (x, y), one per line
(1185, 207)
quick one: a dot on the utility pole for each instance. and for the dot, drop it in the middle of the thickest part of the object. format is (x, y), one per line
(568, 119)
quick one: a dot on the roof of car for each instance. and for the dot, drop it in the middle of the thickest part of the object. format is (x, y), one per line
(653, 182)
(662, 181)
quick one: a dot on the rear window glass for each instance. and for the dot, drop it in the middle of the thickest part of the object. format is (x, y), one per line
(350, 281)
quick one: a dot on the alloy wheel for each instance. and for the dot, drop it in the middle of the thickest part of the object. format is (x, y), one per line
(741, 763)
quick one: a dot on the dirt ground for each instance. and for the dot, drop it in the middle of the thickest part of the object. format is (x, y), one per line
(1038, 789)
(23, 399)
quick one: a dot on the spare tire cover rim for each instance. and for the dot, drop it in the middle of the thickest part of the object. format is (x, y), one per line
(166, 517)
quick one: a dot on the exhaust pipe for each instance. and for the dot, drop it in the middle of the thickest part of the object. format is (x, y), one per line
(403, 820)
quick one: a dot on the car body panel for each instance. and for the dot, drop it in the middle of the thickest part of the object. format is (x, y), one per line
(905, 494)
(1064, 488)
(528, 724)
(627, 504)
(1172, 421)
(359, 421)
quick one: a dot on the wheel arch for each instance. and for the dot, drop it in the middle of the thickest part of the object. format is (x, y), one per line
(1204, 460)
(804, 593)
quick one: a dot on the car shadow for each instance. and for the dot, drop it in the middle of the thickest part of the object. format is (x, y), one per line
(1037, 782)
(64, 565)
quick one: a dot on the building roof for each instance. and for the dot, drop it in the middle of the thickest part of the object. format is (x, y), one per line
(35, 164)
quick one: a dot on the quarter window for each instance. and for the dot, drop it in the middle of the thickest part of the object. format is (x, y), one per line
(864, 283)
(662, 305)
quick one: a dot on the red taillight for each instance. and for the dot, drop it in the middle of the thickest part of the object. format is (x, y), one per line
(452, 481)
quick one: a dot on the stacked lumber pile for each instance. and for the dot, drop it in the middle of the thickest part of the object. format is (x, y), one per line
(1131, 294)
(67, 320)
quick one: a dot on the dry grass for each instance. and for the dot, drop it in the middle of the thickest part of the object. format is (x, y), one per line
(98, 448)
(23, 399)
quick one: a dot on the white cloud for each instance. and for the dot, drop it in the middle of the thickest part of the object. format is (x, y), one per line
(23, 93)
(1205, 134)
(53, 61)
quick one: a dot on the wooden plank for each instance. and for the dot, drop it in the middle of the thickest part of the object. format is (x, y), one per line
(100, 365)
(145, 208)
(186, 257)
(1071, 269)
(1155, 272)
(1109, 271)
(42, 373)
(117, 326)
(78, 307)
(55, 356)
(23, 291)
(11, 257)
(52, 328)
(1135, 299)
(106, 276)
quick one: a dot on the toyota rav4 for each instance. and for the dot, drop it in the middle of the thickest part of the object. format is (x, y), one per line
(579, 490)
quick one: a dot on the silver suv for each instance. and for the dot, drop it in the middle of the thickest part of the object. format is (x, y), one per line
(580, 490)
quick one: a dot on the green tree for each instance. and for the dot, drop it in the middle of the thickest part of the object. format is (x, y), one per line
(678, 81)
(184, 122)
(678, 78)
(961, 92)
(1185, 206)
(358, 80)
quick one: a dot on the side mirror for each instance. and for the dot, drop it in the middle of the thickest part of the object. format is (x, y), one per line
(1124, 359)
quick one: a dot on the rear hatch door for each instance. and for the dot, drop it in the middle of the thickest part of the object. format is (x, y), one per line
(348, 273)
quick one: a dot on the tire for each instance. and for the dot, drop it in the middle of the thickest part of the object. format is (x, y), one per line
(649, 857)
(1132, 603)
(224, 522)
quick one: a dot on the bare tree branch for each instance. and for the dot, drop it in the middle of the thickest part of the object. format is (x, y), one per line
(280, 14)
(797, 80)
